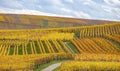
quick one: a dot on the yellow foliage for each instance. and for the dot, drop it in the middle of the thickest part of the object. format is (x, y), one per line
(58, 36)
(20, 62)
(90, 66)
(2, 19)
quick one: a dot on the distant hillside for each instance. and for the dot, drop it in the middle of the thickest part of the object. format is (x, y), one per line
(15, 21)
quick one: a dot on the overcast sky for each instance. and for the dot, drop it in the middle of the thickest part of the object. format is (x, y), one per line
(88, 9)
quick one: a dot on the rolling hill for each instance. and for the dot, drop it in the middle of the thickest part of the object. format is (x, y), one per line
(16, 21)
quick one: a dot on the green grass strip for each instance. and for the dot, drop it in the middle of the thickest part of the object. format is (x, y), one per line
(53, 46)
(37, 47)
(114, 43)
(77, 34)
(20, 50)
(45, 47)
(43, 66)
(29, 49)
(11, 50)
(71, 46)
(56, 69)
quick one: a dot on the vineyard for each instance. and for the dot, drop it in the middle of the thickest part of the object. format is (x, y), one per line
(89, 48)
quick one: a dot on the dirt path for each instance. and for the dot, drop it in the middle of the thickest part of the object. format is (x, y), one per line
(52, 67)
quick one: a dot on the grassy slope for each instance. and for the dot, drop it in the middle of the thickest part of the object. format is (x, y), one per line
(20, 50)
(11, 50)
(37, 47)
(114, 43)
(28, 48)
(47, 64)
(72, 46)
(57, 69)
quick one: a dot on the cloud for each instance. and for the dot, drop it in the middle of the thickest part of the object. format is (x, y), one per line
(11, 4)
(76, 14)
(81, 15)
(112, 7)
(70, 1)
(89, 9)
(88, 2)
(112, 10)
(113, 2)
(55, 2)
(30, 1)
(72, 14)
(66, 10)
(29, 12)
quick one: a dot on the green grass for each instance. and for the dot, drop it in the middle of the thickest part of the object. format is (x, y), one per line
(77, 34)
(11, 50)
(47, 64)
(61, 46)
(53, 46)
(20, 50)
(57, 69)
(114, 43)
(45, 47)
(72, 46)
(29, 49)
(37, 47)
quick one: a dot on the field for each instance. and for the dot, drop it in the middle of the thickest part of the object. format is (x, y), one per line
(89, 48)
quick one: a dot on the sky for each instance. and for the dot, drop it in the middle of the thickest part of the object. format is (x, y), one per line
(87, 9)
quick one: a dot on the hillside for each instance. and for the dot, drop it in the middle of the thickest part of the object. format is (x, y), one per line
(15, 21)
(85, 45)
